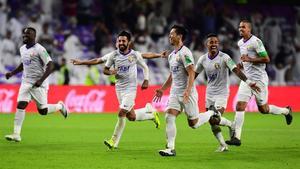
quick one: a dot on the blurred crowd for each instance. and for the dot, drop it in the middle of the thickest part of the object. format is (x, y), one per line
(85, 29)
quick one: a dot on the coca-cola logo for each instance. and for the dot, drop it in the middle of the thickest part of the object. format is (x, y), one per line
(93, 101)
(6, 100)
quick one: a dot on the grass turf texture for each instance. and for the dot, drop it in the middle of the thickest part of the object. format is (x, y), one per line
(77, 142)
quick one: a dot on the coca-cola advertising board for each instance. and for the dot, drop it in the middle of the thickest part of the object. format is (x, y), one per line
(100, 99)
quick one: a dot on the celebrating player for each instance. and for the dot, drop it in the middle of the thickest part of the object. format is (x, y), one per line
(254, 58)
(183, 94)
(123, 64)
(36, 65)
(216, 64)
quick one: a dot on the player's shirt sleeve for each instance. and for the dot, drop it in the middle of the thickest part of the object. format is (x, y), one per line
(108, 60)
(260, 48)
(142, 63)
(229, 62)
(105, 57)
(199, 66)
(187, 58)
(44, 55)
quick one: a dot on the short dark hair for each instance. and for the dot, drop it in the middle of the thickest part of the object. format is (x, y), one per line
(180, 30)
(30, 28)
(247, 21)
(211, 35)
(125, 33)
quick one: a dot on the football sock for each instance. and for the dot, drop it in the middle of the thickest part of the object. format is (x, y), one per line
(239, 121)
(171, 130)
(143, 114)
(218, 134)
(278, 110)
(225, 122)
(119, 128)
(18, 121)
(203, 118)
(53, 108)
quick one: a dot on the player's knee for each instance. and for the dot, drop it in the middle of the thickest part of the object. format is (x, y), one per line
(214, 120)
(43, 111)
(192, 123)
(263, 110)
(131, 117)
(22, 105)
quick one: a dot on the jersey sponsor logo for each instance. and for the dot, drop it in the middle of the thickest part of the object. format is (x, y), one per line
(212, 77)
(174, 69)
(123, 69)
(27, 62)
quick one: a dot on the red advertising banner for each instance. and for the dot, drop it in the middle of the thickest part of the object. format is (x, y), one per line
(99, 99)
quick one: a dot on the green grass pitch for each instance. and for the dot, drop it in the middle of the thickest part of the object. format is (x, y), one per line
(51, 142)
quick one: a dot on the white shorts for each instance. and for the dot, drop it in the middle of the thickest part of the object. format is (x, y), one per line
(38, 94)
(218, 101)
(126, 100)
(245, 92)
(191, 108)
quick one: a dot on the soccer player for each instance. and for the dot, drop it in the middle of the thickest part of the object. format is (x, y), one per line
(254, 59)
(183, 94)
(36, 65)
(216, 65)
(123, 64)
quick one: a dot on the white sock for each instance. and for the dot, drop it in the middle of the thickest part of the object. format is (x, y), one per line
(218, 134)
(278, 110)
(19, 118)
(203, 118)
(225, 122)
(143, 114)
(53, 108)
(171, 130)
(239, 121)
(119, 128)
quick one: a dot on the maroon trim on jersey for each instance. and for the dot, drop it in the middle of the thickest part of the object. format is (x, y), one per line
(124, 54)
(212, 57)
(178, 49)
(245, 40)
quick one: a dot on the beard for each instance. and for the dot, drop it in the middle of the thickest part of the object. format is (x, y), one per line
(122, 48)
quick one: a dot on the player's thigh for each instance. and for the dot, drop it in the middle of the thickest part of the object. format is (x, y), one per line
(40, 96)
(221, 101)
(174, 103)
(244, 92)
(209, 101)
(262, 97)
(24, 92)
(191, 107)
(127, 101)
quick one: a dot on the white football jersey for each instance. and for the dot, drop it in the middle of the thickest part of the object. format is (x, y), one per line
(127, 69)
(254, 48)
(216, 70)
(34, 61)
(178, 61)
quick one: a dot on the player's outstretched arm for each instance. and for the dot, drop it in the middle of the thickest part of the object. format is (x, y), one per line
(16, 71)
(150, 55)
(191, 78)
(159, 92)
(87, 62)
(49, 70)
(243, 77)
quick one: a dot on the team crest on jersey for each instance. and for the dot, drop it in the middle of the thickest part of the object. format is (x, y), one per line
(32, 54)
(217, 65)
(177, 58)
(130, 58)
